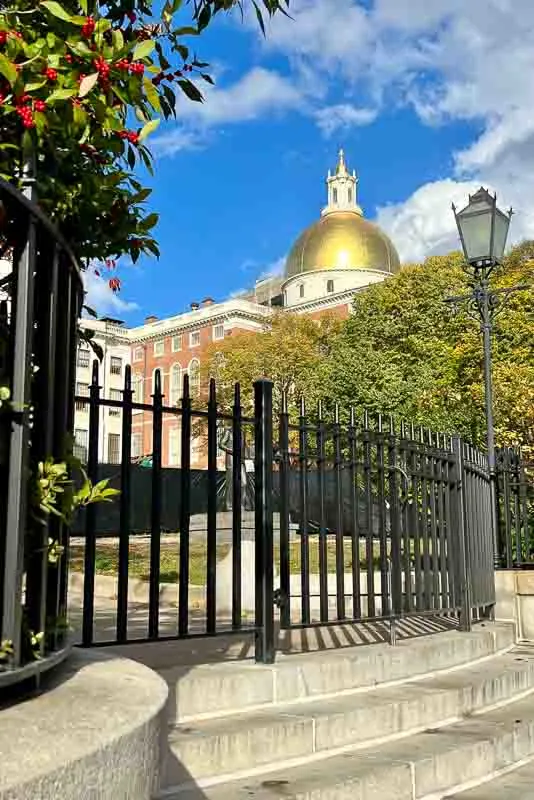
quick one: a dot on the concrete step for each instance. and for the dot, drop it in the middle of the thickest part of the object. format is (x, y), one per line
(216, 689)
(514, 784)
(211, 749)
(424, 766)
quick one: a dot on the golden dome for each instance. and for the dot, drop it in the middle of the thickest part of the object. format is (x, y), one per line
(342, 240)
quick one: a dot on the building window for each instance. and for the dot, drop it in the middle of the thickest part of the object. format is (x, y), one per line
(176, 343)
(138, 354)
(194, 339)
(83, 357)
(82, 390)
(116, 396)
(301, 290)
(137, 445)
(137, 387)
(218, 332)
(194, 377)
(114, 448)
(335, 196)
(174, 447)
(159, 347)
(115, 366)
(330, 286)
(350, 195)
(81, 444)
(176, 384)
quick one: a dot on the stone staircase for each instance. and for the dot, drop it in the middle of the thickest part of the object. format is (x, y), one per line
(430, 718)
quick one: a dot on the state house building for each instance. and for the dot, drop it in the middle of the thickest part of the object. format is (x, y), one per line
(338, 255)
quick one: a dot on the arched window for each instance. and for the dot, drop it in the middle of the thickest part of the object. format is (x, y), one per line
(335, 196)
(301, 290)
(350, 195)
(330, 286)
(176, 384)
(194, 377)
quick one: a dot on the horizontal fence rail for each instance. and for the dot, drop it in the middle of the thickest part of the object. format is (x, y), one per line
(276, 521)
(41, 294)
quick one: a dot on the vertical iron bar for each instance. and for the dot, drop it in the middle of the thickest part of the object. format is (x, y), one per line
(124, 518)
(520, 543)
(409, 523)
(323, 546)
(263, 467)
(506, 512)
(460, 534)
(155, 515)
(211, 563)
(355, 519)
(285, 575)
(369, 535)
(18, 460)
(304, 535)
(420, 521)
(382, 531)
(340, 531)
(90, 512)
(442, 536)
(237, 438)
(395, 524)
(185, 499)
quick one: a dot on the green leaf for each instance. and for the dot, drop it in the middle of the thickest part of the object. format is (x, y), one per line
(61, 94)
(141, 196)
(56, 10)
(50, 39)
(7, 69)
(131, 157)
(204, 18)
(207, 78)
(149, 128)
(118, 39)
(148, 222)
(87, 84)
(143, 50)
(191, 91)
(152, 94)
(32, 87)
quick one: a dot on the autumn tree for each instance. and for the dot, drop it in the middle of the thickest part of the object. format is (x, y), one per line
(404, 352)
(289, 350)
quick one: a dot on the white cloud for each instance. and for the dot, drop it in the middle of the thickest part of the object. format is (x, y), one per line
(445, 59)
(102, 299)
(258, 92)
(342, 116)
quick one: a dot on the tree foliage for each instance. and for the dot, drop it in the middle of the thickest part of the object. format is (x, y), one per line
(289, 350)
(404, 352)
(83, 83)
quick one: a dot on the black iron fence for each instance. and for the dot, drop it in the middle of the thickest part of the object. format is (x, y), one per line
(515, 504)
(353, 522)
(40, 301)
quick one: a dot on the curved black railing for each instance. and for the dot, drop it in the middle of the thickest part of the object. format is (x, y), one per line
(41, 293)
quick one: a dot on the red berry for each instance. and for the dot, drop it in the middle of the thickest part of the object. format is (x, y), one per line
(132, 17)
(40, 105)
(114, 284)
(68, 58)
(88, 27)
(51, 74)
(3, 37)
(123, 134)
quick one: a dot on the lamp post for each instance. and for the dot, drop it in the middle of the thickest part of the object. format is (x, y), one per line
(483, 230)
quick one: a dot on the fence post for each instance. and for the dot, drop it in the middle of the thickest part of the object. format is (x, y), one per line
(263, 505)
(460, 536)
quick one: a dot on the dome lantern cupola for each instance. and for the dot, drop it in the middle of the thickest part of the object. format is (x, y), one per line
(342, 188)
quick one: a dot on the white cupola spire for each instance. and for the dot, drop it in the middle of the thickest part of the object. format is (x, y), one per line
(342, 189)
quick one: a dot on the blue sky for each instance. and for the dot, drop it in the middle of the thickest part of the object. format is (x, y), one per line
(428, 98)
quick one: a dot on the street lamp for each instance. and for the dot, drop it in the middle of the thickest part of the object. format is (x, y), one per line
(483, 230)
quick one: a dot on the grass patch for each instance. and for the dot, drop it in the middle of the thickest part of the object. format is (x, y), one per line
(107, 557)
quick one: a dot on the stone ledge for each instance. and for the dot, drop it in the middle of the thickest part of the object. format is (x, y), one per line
(96, 731)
